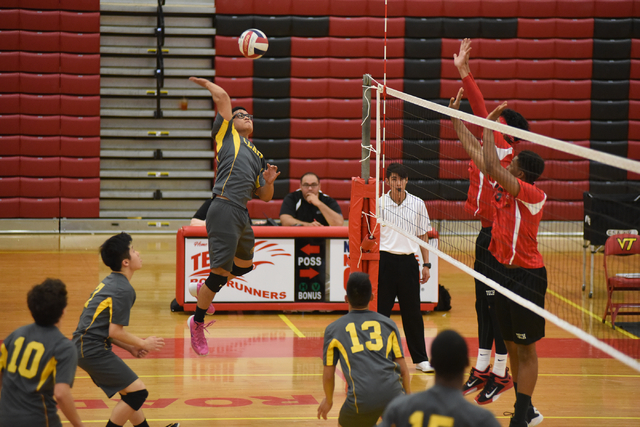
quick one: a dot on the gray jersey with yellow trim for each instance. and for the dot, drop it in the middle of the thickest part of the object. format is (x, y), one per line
(33, 359)
(367, 344)
(439, 406)
(110, 302)
(240, 164)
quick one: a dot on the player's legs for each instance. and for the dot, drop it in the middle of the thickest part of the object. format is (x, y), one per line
(123, 412)
(387, 283)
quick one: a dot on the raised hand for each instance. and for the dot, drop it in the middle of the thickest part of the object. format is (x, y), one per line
(199, 81)
(455, 102)
(270, 173)
(493, 116)
(153, 344)
(462, 58)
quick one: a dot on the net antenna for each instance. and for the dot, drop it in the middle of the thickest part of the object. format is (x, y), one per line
(419, 124)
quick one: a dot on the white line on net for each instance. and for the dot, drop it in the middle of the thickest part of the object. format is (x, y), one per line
(563, 324)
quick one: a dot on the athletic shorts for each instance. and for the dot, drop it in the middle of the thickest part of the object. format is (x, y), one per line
(349, 417)
(230, 234)
(108, 371)
(519, 324)
(487, 265)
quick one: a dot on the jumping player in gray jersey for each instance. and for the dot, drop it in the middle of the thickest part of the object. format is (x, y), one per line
(242, 173)
(442, 404)
(102, 323)
(38, 363)
(368, 347)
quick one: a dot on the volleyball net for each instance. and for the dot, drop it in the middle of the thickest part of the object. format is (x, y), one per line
(420, 134)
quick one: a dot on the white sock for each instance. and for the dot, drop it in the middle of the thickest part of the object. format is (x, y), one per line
(484, 358)
(500, 364)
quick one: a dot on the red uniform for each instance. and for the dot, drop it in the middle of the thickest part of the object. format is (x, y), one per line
(480, 188)
(514, 239)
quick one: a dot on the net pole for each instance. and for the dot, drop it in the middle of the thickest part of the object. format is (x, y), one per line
(378, 144)
(365, 167)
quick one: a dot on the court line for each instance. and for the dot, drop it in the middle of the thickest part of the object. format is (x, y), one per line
(590, 313)
(291, 325)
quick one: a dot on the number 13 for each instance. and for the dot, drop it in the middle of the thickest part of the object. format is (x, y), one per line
(376, 337)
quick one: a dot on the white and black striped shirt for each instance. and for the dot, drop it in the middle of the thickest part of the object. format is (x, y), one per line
(411, 216)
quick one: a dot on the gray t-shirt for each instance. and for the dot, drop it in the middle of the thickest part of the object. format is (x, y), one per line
(240, 164)
(33, 359)
(367, 344)
(110, 302)
(438, 406)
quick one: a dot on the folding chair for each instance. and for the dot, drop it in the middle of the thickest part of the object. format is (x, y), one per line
(622, 272)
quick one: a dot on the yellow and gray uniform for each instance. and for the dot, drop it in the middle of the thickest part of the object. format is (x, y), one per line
(239, 175)
(33, 359)
(110, 302)
(367, 344)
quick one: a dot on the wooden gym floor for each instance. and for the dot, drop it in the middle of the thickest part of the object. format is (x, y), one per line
(265, 369)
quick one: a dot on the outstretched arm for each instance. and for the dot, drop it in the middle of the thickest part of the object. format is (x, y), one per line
(492, 161)
(62, 393)
(265, 193)
(461, 60)
(469, 142)
(219, 95)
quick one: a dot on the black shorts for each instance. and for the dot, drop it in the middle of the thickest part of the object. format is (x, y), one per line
(349, 416)
(108, 372)
(487, 265)
(519, 324)
(230, 234)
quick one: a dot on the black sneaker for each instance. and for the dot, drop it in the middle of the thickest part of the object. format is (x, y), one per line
(477, 380)
(494, 388)
(533, 416)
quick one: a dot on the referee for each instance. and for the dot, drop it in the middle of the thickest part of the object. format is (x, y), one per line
(400, 275)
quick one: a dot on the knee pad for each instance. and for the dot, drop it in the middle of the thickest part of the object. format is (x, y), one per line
(215, 282)
(135, 399)
(239, 271)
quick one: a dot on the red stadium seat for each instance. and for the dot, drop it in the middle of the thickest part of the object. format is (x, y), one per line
(347, 27)
(494, 69)
(308, 148)
(80, 42)
(344, 108)
(40, 166)
(9, 103)
(451, 46)
(536, 69)
(38, 20)
(572, 110)
(566, 170)
(39, 187)
(534, 89)
(39, 125)
(348, 8)
(498, 89)
(9, 124)
(633, 147)
(39, 104)
(452, 150)
(534, 110)
(9, 166)
(82, 5)
(80, 167)
(72, 84)
(575, 8)
(574, 28)
(9, 40)
(10, 19)
(80, 187)
(80, 208)
(337, 188)
(227, 46)
(9, 207)
(79, 64)
(309, 67)
(259, 209)
(346, 47)
(345, 88)
(307, 47)
(454, 169)
(535, 48)
(347, 68)
(635, 48)
(298, 167)
(499, 8)
(549, 153)
(563, 211)
(344, 169)
(564, 190)
(574, 49)
(9, 145)
(80, 105)
(9, 61)
(39, 42)
(536, 28)
(307, 128)
(395, 68)
(344, 129)
(459, 8)
(39, 208)
(345, 148)
(39, 62)
(9, 187)
(451, 210)
(82, 147)
(635, 69)
(39, 83)
(424, 8)
(228, 7)
(234, 67)
(499, 48)
(40, 4)
(395, 27)
(395, 48)
(80, 22)
(537, 8)
(634, 110)
(309, 88)
(9, 82)
(309, 8)
(39, 146)
(395, 8)
(280, 7)
(574, 69)
(573, 89)
(236, 87)
(543, 127)
(571, 130)
(634, 89)
(309, 108)
(614, 8)
(80, 126)
(634, 130)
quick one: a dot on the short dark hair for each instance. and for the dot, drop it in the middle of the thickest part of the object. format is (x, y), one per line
(399, 169)
(515, 119)
(310, 173)
(449, 354)
(47, 301)
(359, 290)
(531, 164)
(115, 250)
(236, 109)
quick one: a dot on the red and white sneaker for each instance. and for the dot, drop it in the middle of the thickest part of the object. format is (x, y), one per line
(494, 388)
(194, 290)
(198, 340)
(477, 380)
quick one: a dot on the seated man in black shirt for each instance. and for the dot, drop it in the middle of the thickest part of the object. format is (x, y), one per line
(309, 206)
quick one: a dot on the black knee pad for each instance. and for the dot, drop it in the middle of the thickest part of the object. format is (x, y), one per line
(135, 399)
(239, 271)
(215, 282)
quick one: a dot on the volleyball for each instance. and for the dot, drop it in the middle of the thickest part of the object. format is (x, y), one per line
(253, 43)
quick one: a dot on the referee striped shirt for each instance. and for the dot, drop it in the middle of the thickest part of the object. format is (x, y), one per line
(411, 216)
